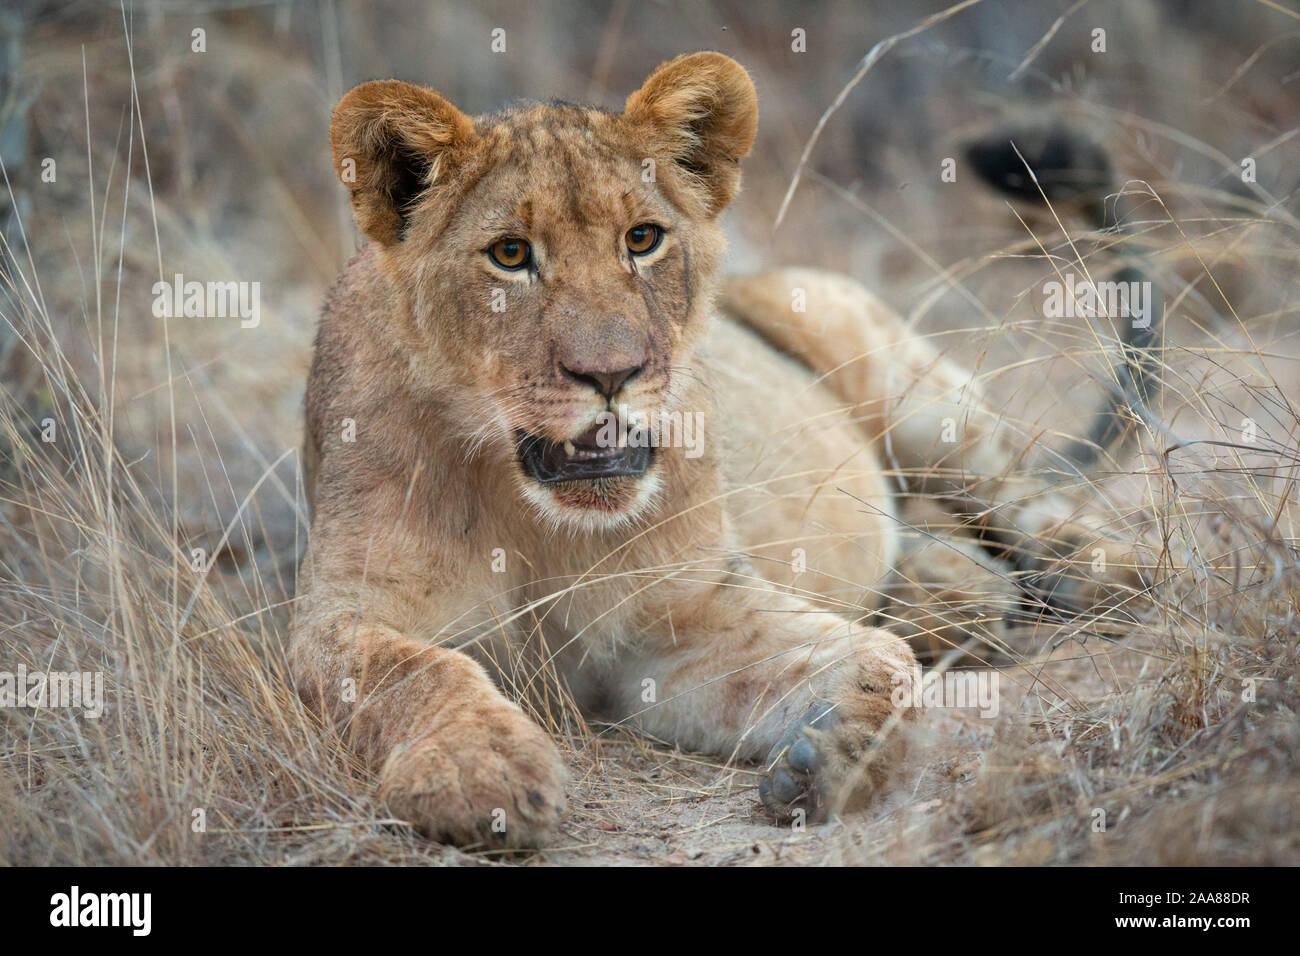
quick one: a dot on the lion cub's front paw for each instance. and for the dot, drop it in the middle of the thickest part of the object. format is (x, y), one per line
(487, 776)
(792, 782)
(834, 756)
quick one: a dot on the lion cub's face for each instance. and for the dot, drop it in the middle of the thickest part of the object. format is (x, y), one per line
(553, 265)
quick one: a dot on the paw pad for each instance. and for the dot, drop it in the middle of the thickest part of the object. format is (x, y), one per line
(792, 782)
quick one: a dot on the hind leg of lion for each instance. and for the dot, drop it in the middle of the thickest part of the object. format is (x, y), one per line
(948, 596)
(939, 432)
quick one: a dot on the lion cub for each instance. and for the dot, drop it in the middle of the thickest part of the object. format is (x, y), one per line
(536, 415)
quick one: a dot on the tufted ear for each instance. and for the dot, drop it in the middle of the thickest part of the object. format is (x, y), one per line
(391, 141)
(702, 110)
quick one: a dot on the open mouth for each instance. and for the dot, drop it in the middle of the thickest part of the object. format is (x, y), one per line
(581, 458)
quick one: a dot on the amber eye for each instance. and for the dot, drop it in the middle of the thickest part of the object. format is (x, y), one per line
(511, 253)
(643, 239)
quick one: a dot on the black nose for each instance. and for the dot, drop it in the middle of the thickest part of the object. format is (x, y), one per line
(607, 383)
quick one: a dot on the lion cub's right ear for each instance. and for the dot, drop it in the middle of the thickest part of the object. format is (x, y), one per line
(390, 141)
(703, 112)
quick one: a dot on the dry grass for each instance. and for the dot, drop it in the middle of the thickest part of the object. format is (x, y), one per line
(182, 435)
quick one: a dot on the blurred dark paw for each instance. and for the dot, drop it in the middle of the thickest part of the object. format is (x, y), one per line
(792, 781)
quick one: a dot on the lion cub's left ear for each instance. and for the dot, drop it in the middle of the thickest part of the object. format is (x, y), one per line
(392, 142)
(702, 111)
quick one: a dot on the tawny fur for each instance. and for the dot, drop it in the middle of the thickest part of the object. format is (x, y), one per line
(432, 552)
